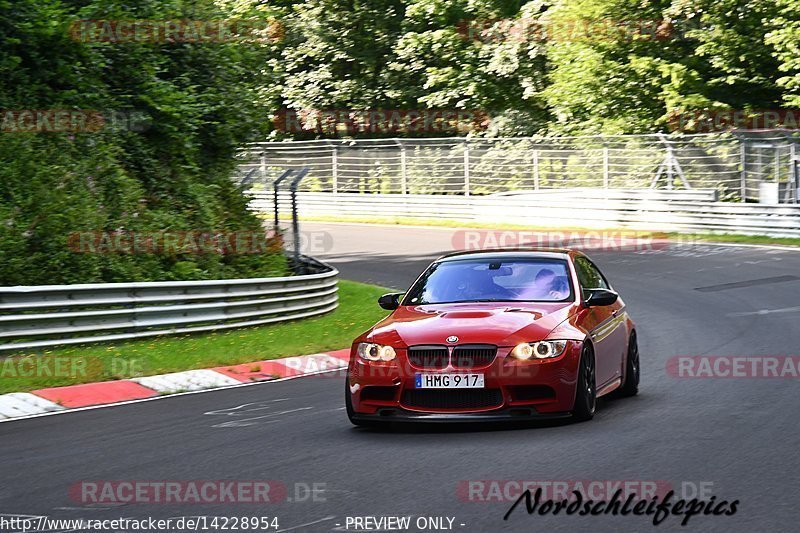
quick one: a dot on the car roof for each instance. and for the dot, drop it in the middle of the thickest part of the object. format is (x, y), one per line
(509, 253)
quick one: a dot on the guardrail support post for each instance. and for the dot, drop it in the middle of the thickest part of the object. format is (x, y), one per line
(605, 166)
(743, 158)
(794, 172)
(246, 180)
(295, 223)
(535, 169)
(276, 186)
(466, 170)
(334, 167)
(403, 168)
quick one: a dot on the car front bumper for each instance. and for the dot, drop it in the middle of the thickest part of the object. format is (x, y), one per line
(513, 390)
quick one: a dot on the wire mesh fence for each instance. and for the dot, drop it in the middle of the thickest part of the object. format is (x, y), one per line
(733, 164)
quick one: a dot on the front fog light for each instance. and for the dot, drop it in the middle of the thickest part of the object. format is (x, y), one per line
(375, 352)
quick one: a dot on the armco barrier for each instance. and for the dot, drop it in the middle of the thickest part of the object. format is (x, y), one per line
(49, 315)
(657, 210)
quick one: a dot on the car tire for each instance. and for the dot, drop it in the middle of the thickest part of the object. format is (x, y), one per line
(586, 395)
(348, 403)
(632, 369)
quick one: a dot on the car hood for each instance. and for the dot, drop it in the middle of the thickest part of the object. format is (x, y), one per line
(505, 324)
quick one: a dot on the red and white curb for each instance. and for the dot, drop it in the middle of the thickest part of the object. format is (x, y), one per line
(43, 401)
(190, 380)
(19, 404)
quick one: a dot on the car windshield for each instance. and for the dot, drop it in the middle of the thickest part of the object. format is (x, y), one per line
(492, 280)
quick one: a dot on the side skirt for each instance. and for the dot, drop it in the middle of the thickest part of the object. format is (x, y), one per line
(609, 387)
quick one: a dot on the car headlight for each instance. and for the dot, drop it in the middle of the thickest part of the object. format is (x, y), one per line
(375, 352)
(538, 350)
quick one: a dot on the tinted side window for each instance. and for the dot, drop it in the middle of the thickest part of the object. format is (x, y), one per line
(588, 275)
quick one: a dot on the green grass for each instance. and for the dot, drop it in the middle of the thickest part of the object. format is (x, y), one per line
(357, 311)
(684, 237)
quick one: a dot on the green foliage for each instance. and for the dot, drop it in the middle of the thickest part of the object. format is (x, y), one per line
(785, 39)
(541, 66)
(200, 102)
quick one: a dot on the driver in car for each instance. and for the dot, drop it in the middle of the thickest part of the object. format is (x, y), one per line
(546, 286)
(480, 285)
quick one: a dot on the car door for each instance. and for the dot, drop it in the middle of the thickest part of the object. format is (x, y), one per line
(605, 324)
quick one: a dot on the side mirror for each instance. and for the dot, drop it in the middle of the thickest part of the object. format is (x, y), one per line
(390, 301)
(600, 297)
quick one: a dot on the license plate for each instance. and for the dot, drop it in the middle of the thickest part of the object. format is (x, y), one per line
(448, 381)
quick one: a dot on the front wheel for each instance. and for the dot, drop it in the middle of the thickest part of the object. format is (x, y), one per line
(586, 395)
(632, 369)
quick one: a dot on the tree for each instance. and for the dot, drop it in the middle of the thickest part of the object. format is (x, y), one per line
(170, 172)
(785, 40)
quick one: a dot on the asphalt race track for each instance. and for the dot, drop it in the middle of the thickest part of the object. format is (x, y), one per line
(737, 438)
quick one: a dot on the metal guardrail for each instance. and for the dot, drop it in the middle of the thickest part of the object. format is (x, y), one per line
(616, 209)
(700, 195)
(49, 315)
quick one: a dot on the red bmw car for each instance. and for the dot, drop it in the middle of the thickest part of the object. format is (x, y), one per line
(495, 335)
